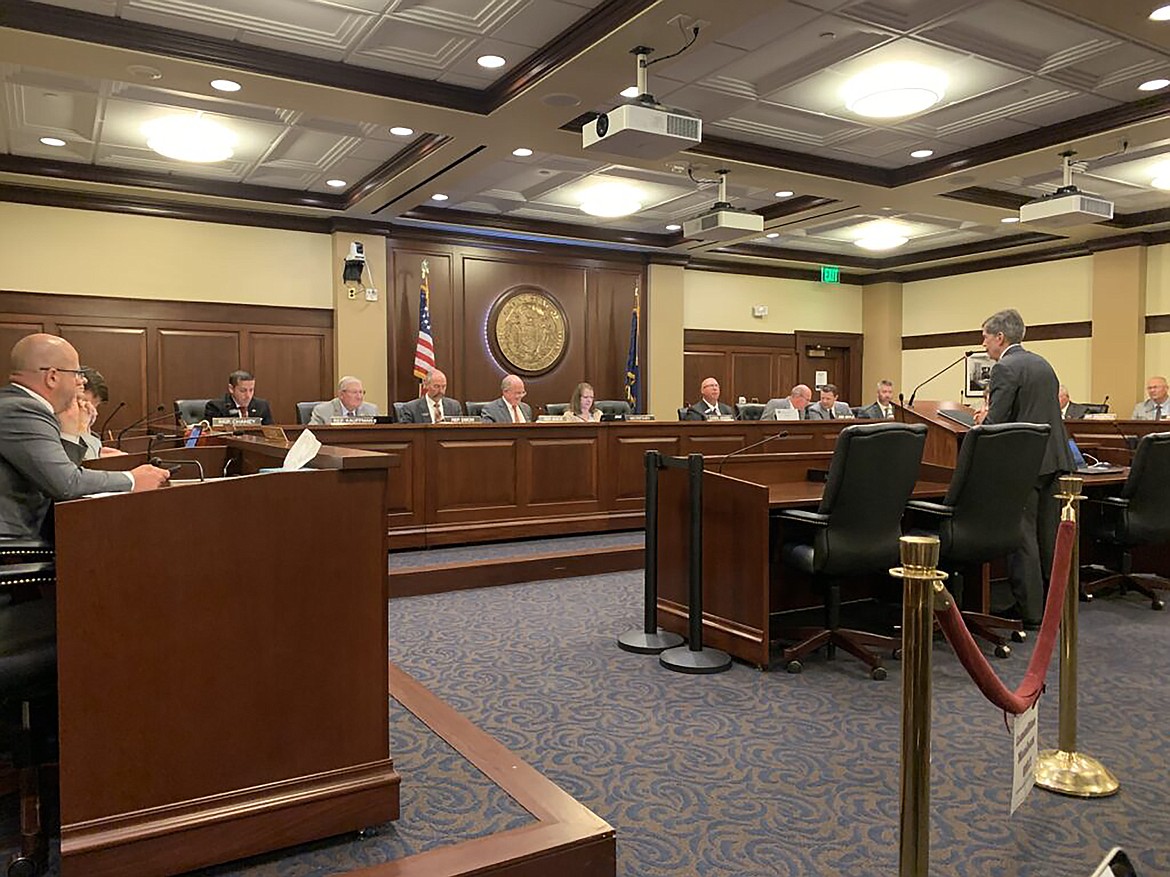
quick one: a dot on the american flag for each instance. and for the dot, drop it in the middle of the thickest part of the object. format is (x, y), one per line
(424, 350)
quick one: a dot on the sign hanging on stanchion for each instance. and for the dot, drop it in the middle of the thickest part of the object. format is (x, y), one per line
(1025, 749)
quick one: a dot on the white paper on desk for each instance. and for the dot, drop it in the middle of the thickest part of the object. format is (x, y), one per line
(304, 449)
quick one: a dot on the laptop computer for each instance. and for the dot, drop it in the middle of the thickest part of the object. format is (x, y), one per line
(1084, 467)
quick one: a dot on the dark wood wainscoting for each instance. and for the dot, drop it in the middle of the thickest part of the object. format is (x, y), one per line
(153, 352)
(596, 296)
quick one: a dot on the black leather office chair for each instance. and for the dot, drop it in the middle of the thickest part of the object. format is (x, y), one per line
(189, 411)
(854, 531)
(1139, 515)
(556, 409)
(613, 406)
(28, 680)
(305, 411)
(475, 409)
(750, 411)
(979, 518)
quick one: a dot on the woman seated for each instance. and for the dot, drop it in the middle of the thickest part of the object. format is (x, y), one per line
(581, 406)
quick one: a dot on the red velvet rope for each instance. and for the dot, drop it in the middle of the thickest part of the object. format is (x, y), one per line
(975, 662)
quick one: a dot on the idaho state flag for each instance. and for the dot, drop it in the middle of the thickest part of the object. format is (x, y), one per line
(633, 367)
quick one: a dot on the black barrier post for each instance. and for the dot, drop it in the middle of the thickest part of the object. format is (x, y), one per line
(651, 639)
(693, 658)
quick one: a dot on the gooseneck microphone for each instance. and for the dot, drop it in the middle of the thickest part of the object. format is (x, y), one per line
(781, 434)
(152, 416)
(174, 465)
(914, 392)
(110, 417)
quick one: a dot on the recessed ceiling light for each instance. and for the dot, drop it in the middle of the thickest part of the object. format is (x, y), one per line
(674, 226)
(631, 91)
(522, 152)
(772, 234)
(438, 196)
(490, 61)
(401, 131)
(189, 138)
(336, 184)
(52, 141)
(1010, 219)
(1162, 13)
(784, 193)
(922, 153)
(225, 85)
(1154, 85)
(882, 236)
(892, 90)
(611, 200)
(1162, 182)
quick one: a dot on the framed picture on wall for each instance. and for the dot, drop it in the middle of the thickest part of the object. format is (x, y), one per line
(979, 367)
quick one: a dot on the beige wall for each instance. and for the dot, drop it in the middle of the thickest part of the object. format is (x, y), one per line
(713, 300)
(84, 252)
(662, 366)
(881, 309)
(359, 325)
(1157, 359)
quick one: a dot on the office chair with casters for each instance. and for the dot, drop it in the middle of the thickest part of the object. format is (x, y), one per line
(305, 411)
(28, 681)
(556, 409)
(979, 519)
(613, 406)
(190, 411)
(1139, 515)
(853, 532)
(750, 411)
(475, 409)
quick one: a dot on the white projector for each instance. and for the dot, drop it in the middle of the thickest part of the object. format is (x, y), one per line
(1067, 206)
(723, 224)
(639, 130)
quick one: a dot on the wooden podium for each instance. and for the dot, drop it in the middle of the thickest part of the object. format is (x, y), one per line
(222, 651)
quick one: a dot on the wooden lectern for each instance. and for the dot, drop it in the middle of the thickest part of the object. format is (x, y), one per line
(222, 652)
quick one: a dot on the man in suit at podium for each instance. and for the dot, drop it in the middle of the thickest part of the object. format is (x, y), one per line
(35, 471)
(797, 399)
(828, 408)
(1069, 410)
(883, 408)
(349, 402)
(709, 403)
(433, 406)
(508, 408)
(240, 400)
(1023, 389)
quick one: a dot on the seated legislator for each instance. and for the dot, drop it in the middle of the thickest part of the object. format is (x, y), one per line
(239, 401)
(828, 408)
(797, 399)
(581, 408)
(35, 471)
(1157, 404)
(708, 403)
(350, 402)
(883, 408)
(508, 408)
(77, 421)
(1069, 410)
(433, 406)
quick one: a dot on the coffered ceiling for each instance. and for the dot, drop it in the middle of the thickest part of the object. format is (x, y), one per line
(324, 82)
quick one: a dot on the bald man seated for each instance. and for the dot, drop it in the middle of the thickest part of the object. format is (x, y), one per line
(35, 471)
(433, 406)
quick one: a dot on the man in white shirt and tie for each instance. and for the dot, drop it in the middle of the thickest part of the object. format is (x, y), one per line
(433, 406)
(1157, 406)
(508, 408)
(709, 405)
(883, 408)
(350, 402)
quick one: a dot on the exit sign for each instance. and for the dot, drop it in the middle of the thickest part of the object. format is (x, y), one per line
(830, 274)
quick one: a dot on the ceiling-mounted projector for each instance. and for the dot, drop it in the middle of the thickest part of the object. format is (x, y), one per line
(642, 127)
(722, 222)
(1068, 205)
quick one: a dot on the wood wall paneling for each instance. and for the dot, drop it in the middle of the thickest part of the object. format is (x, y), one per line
(565, 470)
(123, 354)
(628, 469)
(292, 366)
(195, 364)
(480, 474)
(698, 365)
(755, 365)
(752, 375)
(12, 328)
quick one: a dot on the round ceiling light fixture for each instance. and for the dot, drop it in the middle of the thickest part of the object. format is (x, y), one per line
(52, 141)
(610, 201)
(882, 236)
(1154, 85)
(336, 184)
(439, 196)
(491, 62)
(922, 153)
(225, 85)
(629, 91)
(1010, 219)
(190, 138)
(401, 131)
(522, 152)
(1162, 13)
(889, 91)
(783, 193)
(674, 226)
(772, 234)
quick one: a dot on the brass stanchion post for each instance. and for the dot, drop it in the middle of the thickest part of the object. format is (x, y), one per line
(1065, 770)
(921, 580)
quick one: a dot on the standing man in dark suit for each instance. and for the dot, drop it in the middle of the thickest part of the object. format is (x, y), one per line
(1023, 389)
(508, 408)
(34, 469)
(433, 406)
(709, 403)
(240, 400)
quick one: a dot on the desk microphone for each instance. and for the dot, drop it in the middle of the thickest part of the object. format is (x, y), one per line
(162, 437)
(1130, 441)
(902, 407)
(174, 465)
(149, 418)
(110, 417)
(781, 434)
(937, 373)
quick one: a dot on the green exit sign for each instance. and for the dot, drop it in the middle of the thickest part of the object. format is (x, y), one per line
(830, 274)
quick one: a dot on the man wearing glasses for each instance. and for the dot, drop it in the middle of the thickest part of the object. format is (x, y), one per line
(508, 408)
(35, 471)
